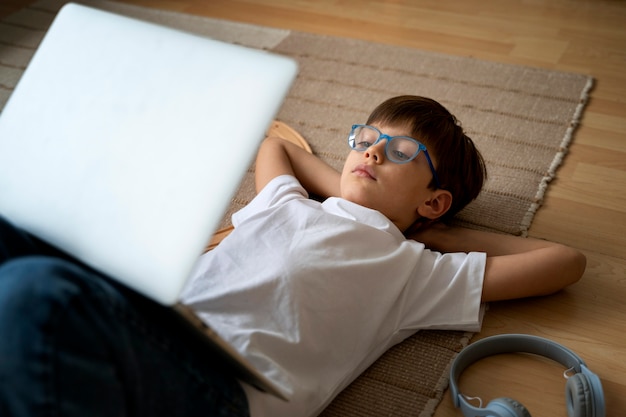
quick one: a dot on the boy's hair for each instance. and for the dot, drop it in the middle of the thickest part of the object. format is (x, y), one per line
(460, 166)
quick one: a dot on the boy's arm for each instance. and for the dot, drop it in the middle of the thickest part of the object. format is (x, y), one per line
(516, 267)
(279, 157)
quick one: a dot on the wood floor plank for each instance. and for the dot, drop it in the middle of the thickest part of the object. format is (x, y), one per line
(593, 185)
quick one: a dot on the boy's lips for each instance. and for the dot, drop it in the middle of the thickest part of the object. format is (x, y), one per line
(363, 170)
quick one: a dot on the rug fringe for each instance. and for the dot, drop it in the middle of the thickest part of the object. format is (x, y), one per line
(442, 385)
(558, 159)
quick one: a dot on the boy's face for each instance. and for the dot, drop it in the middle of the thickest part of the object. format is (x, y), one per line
(396, 190)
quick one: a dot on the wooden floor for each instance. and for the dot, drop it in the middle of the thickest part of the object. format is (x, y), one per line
(585, 206)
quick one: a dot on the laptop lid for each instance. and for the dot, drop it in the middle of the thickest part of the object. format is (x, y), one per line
(124, 142)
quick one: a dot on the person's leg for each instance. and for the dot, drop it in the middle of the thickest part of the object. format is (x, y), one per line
(75, 344)
(15, 243)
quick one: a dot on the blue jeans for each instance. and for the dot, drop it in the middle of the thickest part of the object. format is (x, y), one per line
(74, 343)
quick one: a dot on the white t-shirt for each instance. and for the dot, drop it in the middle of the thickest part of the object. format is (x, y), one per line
(313, 293)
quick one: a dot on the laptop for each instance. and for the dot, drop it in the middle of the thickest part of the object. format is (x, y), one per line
(125, 141)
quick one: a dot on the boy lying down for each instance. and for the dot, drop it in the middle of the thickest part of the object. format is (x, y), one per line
(312, 293)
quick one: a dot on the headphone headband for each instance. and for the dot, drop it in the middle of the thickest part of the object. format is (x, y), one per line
(521, 343)
(510, 343)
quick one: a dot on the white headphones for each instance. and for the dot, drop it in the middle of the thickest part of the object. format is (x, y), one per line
(583, 390)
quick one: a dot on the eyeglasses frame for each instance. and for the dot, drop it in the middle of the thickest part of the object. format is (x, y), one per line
(420, 148)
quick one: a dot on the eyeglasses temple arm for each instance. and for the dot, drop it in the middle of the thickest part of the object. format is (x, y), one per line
(432, 169)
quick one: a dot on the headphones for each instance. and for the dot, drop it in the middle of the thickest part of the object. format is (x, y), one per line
(583, 391)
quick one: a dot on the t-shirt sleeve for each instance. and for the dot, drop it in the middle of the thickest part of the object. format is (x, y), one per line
(445, 292)
(278, 191)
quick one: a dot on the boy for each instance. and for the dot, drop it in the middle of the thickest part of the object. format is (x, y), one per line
(311, 293)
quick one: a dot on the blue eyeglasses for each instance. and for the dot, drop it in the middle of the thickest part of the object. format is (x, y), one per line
(398, 149)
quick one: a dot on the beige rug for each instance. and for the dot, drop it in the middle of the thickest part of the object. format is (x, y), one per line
(521, 118)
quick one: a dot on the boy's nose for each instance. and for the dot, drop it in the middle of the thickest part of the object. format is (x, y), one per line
(376, 152)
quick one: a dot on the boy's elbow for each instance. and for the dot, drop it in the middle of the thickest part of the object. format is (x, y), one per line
(580, 264)
(568, 267)
(571, 268)
(574, 265)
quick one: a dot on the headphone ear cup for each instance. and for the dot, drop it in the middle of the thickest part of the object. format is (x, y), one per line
(578, 396)
(507, 407)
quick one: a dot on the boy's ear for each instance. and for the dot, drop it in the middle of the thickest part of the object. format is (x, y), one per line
(437, 205)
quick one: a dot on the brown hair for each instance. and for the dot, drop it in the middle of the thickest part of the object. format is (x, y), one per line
(459, 165)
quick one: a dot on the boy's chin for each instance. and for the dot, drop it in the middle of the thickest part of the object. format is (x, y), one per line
(358, 198)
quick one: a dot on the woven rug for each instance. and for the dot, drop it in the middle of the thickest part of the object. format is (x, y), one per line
(521, 118)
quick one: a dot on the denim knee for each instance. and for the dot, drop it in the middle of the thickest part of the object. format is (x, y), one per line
(35, 293)
(33, 283)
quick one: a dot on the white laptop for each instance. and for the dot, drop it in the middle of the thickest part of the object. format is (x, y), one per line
(124, 142)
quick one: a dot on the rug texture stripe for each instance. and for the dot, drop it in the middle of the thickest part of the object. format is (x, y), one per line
(522, 119)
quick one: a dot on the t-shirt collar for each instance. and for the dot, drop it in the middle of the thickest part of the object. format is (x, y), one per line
(361, 214)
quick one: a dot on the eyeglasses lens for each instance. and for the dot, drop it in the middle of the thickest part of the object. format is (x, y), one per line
(400, 150)
(362, 138)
